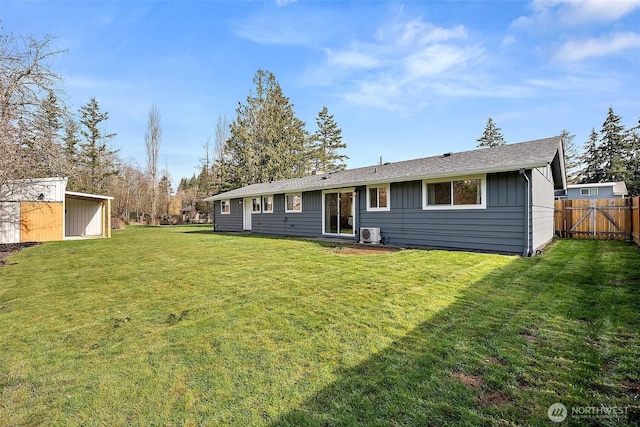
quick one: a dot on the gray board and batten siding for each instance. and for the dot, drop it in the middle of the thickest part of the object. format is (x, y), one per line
(500, 227)
(517, 176)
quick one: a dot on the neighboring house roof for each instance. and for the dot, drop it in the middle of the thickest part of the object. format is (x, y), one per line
(619, 188)
(510, 157)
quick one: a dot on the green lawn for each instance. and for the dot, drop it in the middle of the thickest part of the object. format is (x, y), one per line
(180, 326)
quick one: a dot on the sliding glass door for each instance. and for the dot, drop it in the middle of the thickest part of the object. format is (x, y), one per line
(338, 212)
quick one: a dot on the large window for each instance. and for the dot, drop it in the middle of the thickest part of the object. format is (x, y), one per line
(225, 206)
(468, 192)
(378, 198)
(267, 204)
(293, 202)
(255, 205)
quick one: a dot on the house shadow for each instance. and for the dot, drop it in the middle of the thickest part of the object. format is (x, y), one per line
(504, 351)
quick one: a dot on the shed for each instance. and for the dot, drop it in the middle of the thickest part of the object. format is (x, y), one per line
(498, 199)
(40, 210)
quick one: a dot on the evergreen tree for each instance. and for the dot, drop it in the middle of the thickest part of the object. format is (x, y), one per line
(492, 136)
(96, 161)
(612, 148)
(632, 143)
(591, 160)
(571, 156)
(43, 141)
(267, 141)
(326, 142)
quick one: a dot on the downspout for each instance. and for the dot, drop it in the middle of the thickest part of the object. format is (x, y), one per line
(356, 214)
(213, 216)
(526, 252)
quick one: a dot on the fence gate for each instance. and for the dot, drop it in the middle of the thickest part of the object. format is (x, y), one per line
(605, 219)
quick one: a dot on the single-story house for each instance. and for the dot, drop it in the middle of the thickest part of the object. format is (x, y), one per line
(498, 199)
(601, 190)
(40, 210)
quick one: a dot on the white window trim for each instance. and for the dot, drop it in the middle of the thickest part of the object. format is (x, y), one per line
(259, 201)
(589, 191)
(293, 194)
(222, 202)
(388, 208)
(340, 190)
(264, 209)
(483, 193)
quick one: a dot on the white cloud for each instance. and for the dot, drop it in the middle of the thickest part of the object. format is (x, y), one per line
(438, 59)
(351, 59)
(418, 33)
(509, 40)
(577, 50)
(400, 66)
(575, 12)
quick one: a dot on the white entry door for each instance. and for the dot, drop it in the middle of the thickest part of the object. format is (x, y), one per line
(246, 214)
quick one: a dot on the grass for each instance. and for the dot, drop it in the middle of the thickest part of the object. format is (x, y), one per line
(180, 326)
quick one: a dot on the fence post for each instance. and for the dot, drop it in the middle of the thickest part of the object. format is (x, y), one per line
(635, 219)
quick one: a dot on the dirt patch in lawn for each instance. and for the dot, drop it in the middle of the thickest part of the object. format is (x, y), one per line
(363, 250)
(7, 249)
(495, 398)
(631, 387)
(527, 337)
(470, 380)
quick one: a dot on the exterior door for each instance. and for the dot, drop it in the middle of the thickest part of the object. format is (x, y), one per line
(246, 214)
(338, 213)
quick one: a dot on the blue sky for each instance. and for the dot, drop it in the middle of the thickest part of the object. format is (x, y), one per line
(402, 79)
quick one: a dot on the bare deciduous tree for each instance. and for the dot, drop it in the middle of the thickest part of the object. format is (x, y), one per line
(152, 140)
(29, 114)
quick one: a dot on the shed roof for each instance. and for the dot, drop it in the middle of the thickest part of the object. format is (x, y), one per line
(86, 196)
(510, 157)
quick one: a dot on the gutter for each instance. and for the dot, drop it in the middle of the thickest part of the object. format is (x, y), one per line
(526, 252)
(331, 185)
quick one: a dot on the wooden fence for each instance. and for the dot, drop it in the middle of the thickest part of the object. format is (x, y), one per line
(606, 219)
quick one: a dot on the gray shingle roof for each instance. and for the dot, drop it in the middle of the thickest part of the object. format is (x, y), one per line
(505, 158)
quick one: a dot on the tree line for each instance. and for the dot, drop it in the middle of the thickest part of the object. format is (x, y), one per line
(41, 137)
(610, 155)
(265, 142)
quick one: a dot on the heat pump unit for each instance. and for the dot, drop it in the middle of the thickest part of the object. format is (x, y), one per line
(370, 235)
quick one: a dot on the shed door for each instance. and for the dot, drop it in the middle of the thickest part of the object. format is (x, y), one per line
(247, 206)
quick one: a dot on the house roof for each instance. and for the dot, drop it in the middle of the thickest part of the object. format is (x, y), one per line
(510, 157)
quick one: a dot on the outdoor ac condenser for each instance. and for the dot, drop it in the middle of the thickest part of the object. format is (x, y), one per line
(370, 235)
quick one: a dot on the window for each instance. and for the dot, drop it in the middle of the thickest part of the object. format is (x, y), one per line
(255, 205)
(463, 193)
(378, 198)
(588, 191)
(293, 202)
(225, 206)
(267, 204)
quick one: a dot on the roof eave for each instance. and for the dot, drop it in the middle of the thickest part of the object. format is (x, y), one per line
(327, 186)
(87, 195)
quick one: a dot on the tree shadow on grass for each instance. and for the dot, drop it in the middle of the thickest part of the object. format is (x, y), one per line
(516, 341)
